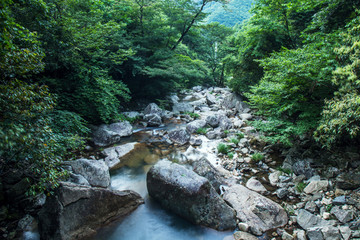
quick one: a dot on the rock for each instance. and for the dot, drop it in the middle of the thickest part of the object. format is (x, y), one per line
(174, 98)
(195, 125)
(343, 216)
(96, 172)
(195, 141)
(331, 233)
(259, 212)
(341, 200)
(286, 236)
(26, 223)
(234, 101)
(216, 134)
(249, 130)
(282, 192)
(106, 135)
(132, 114)
(182, 107)
(245, 116)
(153, 108)
(78, 179)
(197, 88)
(238, 123)
(213, 120)
(153, 120)
(204, 168)
(243, 227)
(255, 185)
(75, 212)
(300, 234)
(348, 181)
(180, 136)
(274, 177)
(225, 123)
(316, 186)
(310, 206)
(189, 195)
(307, 220)
(210, 99)
(303, 167)
(239, 235)
(345, 232)
(114, 154)
(314, 234)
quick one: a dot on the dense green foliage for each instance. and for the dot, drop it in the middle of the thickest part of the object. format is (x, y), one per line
(297, 63)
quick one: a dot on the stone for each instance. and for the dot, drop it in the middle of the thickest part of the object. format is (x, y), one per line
(307, 220)
(27, 223)
(286, 236)
(243, 227)
(96, 172)
(189, 195)
(195, 125)
(316, 186)
(245, 116)
(106, 135)
(153, 120)
(274, 177)
(153, 108)
(331, 233)
(345, 232)
(303, 167)
(282, 192)
(255, 185)
(132, 114)
(348, 181)
(341, 200)
(343, 216)
(113, 155)
(212, 120)
(195, 141)
(224, 123)
(314, 233)
(76, 212)
(180, 136)
(239, 235)
(259, 212)
(310, 206)
(300, 234)
(210, 99)
(182, 107)
(238, 123)
(233, 100)
(78, 179)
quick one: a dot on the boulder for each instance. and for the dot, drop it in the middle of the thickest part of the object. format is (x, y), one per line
(96, 172)
(259, 212)
(195, 125)
(180, 136)
(342, 215)
(239, 235)
(153, 119)
(153, 108)
(255, 185)
(189, 195)
(348, 181)
(78, 179)
(210, 99)
(106, 135)
(76, 212)
(245, 116)
(224, 123)
(316, 186)
(113, 155)
(182, 107)
(307, 220)
(195, 141)
(213, 120)
(234, 101)
(132, 114)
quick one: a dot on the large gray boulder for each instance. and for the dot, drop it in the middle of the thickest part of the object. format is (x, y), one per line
(213, 120)
(106, 135)
(182, 107)
(76, 212)
(153, 119)
(225, 123)
(113, 155)
(96, 172)
(259, 212)
(234, 101)
(180, 136)
(153, 108)
(210, 99)
(195, 125)
(189, 195)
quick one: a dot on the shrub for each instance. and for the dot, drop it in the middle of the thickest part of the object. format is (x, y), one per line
(226, 132)
(230, 155)
(193, 115)
(201, 131)
(240, 135)
(257, 157)
(235, 141)
(223, 148)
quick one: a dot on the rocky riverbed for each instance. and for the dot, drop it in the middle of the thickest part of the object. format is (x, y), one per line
(213, 169)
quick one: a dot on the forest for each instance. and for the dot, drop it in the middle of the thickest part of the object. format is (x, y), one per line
(67, 64)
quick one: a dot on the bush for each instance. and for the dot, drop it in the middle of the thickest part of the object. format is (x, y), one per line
(230, 155)
(235, 141)
(201, 131)
(193, 115)
(240, 135)
(223, 148)
(257, 157)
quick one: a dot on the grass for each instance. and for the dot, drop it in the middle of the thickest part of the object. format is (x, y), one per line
(300, 186)
(235, 141)
(257, 157)
(230, 155)
(201, 131)
(240, 135)
(285, 170)
(223, 148)
(193, 115)
(226, 132)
